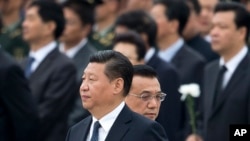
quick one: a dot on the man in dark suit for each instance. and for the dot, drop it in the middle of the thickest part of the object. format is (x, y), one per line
(226, 95)
(171, 22)
(52, 76)
(79, 17)
(106, 82)
(143, 24)
(192, 35)
(18, 110)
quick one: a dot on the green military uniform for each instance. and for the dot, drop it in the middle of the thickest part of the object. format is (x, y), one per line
(11, 41)
(103, 40)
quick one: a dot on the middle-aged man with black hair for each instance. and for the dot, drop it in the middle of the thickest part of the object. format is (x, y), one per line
(52, 75)
(106, 82)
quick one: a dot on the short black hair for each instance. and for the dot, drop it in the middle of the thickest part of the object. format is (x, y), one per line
(195, 5)
(84, 10)
(242, 17)
(176, 10)
(140, 22)
(134, 39)
(117, 65)
(50, 11)
(144, 71)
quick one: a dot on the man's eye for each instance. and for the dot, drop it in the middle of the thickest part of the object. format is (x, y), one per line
(145, 97)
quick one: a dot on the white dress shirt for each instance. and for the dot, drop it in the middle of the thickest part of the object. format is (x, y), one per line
(149, 54)
(106, 123)
(72, 51)
(232, 64)
(168, 54)
(40, 54)
(208, 38)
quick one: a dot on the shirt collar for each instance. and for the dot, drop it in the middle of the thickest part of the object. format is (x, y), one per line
(108, 120)
(232, 64)
(41, 53)
(149, 54)
(72, 51)
(168, 54)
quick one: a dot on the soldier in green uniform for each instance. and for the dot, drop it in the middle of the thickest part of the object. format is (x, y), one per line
(103, 31)
(102, 40)
(11, 33)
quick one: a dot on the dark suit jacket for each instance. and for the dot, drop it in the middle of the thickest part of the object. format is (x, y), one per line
(128, 126)
(190, 65)
(233, 103)
(53, 84)
(203, 47)
(18, 110)
(168, 117)
(81, 60)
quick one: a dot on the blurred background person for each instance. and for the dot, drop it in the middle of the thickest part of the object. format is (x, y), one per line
(74, 43)
(18, 109)
(192, 36)
(11, 32)
(52, 75)
(144, 5)
(206, 15)
(171, 22)
(103, 31)
(229, 75)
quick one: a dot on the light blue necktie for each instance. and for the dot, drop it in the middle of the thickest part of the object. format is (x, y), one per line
(28, 67)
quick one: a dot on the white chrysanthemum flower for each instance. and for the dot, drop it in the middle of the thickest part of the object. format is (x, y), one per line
(192, 89)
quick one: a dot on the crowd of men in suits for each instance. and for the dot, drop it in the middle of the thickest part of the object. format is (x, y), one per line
(76, 69)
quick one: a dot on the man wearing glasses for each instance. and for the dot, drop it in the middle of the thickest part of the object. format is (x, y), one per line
(145, 98)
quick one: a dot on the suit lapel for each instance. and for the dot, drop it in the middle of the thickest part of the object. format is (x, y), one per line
(237, 77)
(177, 59)
(44, 64)
(211, 77)
(120, 126)
(85, 129)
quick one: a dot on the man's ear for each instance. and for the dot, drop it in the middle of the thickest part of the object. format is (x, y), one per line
(118, 85)
(174, 26)
(242, 32)
(50, 26)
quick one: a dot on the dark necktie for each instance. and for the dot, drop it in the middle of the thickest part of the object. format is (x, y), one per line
(28, 67)
(95, 133)
(219, 83)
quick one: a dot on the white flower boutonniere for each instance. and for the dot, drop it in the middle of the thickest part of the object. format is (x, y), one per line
(189, 92)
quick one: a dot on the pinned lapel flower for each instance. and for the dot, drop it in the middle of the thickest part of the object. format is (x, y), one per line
(188, 93)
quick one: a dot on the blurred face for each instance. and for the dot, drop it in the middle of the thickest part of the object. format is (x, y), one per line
(96, 89)
(128, 50)
(106, 9)
(138, 4)
(206, 15)
(224, 33)
(163, 24)
(33, 26)
(74, 30)
(151, 86)
(8, 6)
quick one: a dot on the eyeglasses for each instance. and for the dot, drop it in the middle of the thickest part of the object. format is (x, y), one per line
(160, 96)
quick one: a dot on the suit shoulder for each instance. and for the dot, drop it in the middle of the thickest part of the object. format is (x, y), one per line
(212, 65)
(7, 61)
(191, 53)
(81, 123)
